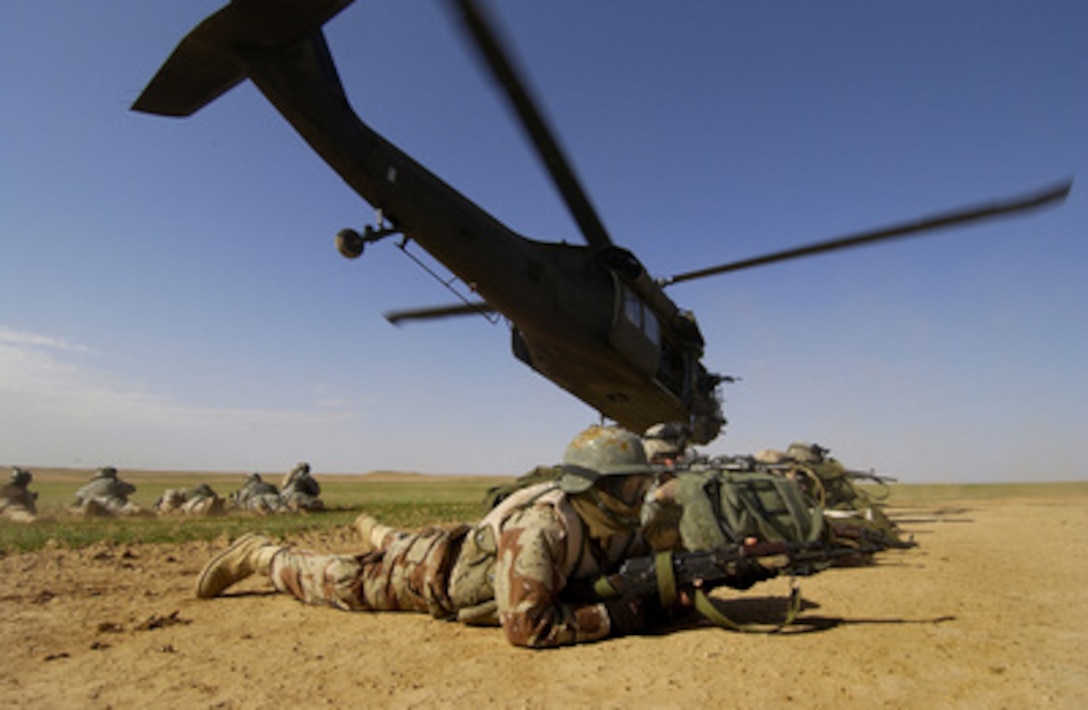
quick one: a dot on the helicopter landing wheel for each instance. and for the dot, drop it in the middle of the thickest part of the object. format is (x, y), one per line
(350, 243)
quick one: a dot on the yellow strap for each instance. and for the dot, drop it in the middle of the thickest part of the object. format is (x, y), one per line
(706, 607)
(666, 579)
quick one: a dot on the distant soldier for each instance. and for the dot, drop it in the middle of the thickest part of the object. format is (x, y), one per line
(518, 568)
(301, 491)
(828, 484)
(666, 444)
(106, 495)
(201, 500)
(17, 503)
(258, 495)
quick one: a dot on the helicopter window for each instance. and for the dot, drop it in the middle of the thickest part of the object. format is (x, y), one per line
(632, 308)
(650, 326)
(639, 315)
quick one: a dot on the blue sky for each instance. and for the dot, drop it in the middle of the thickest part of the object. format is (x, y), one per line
(171, 296)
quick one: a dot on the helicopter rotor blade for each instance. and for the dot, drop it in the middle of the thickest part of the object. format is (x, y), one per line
(975, 213)
(497, 58)
(475, 308)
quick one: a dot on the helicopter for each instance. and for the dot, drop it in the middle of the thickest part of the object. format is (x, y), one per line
(590, 318)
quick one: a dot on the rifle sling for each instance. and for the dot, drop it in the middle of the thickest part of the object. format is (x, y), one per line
(666, 579)
(706, 607)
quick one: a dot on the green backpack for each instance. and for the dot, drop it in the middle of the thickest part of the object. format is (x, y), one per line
(725, 507)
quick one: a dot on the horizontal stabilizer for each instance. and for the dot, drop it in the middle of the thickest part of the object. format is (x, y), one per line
(205, 65)
(474, 308)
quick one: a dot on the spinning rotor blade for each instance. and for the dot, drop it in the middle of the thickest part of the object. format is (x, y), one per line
(502, 68)
(940, 221)
(460, 309)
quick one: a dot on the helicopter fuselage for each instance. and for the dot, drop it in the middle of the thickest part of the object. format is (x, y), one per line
(590, 320)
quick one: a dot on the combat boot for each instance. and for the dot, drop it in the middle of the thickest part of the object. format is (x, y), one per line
(249, 554)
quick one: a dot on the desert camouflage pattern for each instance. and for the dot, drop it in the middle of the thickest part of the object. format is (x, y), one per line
(543, 549)
(540, 551)
(409, 574)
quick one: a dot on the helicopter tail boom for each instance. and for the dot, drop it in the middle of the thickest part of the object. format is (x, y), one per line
(206, 64)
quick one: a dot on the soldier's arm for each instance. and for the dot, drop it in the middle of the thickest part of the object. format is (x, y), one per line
(531, 572)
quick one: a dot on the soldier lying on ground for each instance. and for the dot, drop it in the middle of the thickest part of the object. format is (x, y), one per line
(258, 495)
(17, 503)
(831, 486)
(301, 491)
(201, 500)
(106, 495)
(513, 569)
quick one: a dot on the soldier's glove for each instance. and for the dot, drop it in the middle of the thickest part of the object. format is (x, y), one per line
(630, 614)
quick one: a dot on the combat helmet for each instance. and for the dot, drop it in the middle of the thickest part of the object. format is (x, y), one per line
(666, 439)
(106, 472)
(804, 452)
(601, 451)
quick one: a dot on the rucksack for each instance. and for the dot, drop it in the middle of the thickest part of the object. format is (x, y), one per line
(722, 507)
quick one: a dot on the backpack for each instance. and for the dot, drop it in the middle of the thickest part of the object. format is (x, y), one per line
(723, 507)
(852, 512)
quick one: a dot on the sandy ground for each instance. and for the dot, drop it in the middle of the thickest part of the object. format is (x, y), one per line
(989, 612)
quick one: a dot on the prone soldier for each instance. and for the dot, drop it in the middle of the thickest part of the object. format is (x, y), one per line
(106, 495)
(258, 495)
(515, 569)
(301, 491)
(201, 500)
(17, 502)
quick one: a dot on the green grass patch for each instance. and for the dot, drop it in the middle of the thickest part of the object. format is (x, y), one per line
(406, 502)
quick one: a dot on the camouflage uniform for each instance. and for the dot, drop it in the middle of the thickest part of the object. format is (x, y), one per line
(259, 496)
(201, 500)
(540, 548)
(849, 510)
(301, 491)
(522, 567)
(666, 448)
(17, 503)
(106, 494)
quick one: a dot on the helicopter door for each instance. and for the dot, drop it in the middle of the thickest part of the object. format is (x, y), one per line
(674, 370)
(636, 333)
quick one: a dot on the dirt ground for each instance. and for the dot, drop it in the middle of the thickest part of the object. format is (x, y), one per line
(989, 612)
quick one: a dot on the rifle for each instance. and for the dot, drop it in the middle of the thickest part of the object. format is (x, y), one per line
(736, 566)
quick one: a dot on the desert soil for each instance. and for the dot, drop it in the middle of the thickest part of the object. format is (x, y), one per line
(988, 612)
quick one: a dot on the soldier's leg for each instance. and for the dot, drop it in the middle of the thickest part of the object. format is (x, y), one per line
(375, 536)
(410, 574)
